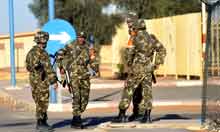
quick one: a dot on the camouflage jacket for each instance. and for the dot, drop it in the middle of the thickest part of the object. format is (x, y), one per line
(39, 66)
(142, 53)
(128, 51)
(75, 59)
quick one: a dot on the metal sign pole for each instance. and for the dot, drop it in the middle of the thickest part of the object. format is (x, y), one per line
(53, 95)
(208, 42)
(210, 6)
(12, 46)
(51, 10)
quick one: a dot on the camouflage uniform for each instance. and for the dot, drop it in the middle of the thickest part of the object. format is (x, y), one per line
(40, 77)
(95, 61)
(137, 96)
(75, 59)
(140, 58)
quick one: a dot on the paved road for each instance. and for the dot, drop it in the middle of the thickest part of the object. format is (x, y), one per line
(25, 122)
(189, 93)
(159, 93)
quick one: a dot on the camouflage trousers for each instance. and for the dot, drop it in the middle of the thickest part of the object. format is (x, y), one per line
(133, 83)
(40, 94)
(137, 97)
(80, 95)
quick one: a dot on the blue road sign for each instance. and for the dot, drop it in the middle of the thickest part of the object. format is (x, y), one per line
(60, 33)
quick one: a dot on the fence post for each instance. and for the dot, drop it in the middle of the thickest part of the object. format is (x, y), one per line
(212, 53)
(217, 47)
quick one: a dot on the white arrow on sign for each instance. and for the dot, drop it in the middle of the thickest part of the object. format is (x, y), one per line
(63, 37)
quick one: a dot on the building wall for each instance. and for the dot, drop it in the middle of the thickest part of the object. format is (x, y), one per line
(23, 43)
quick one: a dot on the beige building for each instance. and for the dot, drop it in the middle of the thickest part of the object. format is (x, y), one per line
(23, 43)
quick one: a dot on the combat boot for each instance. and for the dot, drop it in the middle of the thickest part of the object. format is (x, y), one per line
(134, 115)
(41, 127)
(147, 117)
(121, 118)
(76, 122)
(45, 118)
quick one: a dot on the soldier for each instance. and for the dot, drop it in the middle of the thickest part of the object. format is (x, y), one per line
(94, 55)
(137, 96)
(40, 77)
(141, 58)
(75, 59)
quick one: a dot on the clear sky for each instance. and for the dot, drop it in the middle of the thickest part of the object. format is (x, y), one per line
(24, 19)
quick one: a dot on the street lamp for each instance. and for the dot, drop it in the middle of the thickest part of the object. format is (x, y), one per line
(211, 4)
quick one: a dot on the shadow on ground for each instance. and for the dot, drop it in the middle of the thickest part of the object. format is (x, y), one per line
(101, 98)
(172, 117)
(88, 122)
(91, 122)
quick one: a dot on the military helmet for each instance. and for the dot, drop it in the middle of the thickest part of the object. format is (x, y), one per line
(81, 34)
(131, 18)
(140, 24)
(41, 37)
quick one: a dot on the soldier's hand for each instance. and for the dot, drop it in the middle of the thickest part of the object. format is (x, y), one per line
(92, 72)
(55, 86)
(62, 71)
(39, 67)
(154, 67)
(92, 57)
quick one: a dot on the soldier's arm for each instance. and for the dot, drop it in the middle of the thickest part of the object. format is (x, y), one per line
(128, 52)
(132, 50)
(49, 70)
(29, 65)
(161, 53)
(94, 60)
(86, 57)
(93, 65)
(91, 61)
(32, 60)
(62, 53)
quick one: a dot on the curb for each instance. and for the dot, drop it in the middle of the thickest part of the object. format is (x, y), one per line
(165, 84)
(183, 83)
(114, 105)
(190, 126)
